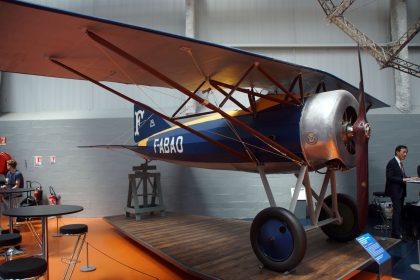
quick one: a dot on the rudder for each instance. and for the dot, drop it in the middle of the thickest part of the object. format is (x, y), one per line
(146, 123)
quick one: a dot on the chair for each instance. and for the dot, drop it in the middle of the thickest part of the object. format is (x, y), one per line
(8, 241)
(79, 230)
(379, 201)
(24, 268)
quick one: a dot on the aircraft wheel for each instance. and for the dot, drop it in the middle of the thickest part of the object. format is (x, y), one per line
(349, 229)
(278, 239)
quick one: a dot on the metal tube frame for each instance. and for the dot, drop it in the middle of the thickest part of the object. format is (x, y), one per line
(266, 185)
(315, 210)
(300, 176)
(72, 261)
(34, 233)
(44, 233)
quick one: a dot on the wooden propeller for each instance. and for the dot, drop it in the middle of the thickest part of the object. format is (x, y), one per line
(361, 132)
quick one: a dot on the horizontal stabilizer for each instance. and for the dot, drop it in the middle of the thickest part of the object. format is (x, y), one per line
(136, 149)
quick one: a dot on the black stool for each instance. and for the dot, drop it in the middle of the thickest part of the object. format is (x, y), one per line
(378, 198)
(24, 268)
(74, 229)
(8, 241)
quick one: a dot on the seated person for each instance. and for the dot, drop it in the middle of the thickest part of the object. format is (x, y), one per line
(14, 178)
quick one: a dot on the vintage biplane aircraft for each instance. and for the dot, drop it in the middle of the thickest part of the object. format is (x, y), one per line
(295, 119)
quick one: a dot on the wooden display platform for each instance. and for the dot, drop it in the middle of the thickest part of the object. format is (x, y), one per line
(216, 248)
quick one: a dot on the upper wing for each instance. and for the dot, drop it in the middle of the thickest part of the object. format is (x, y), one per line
(31, 34)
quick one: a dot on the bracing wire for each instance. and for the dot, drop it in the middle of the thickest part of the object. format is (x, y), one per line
(239, 139)
(253, 146)
(126, 136)
(216, 103)
(129, 136)
(195, 62)
(279, 153)
(140, 88)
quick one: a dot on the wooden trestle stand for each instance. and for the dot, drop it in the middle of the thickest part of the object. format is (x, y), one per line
(146, 185)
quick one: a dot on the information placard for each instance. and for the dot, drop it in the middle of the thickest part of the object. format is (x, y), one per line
(374, 249)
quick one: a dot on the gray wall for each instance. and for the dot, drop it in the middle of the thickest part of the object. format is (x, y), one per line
(97, 178)
(48, 116)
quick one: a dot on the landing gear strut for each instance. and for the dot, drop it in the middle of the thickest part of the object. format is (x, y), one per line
(349, 227)
(279, 239)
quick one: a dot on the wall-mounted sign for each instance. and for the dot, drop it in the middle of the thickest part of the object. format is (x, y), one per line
(37, 161)
(52, 159)
(2, 140)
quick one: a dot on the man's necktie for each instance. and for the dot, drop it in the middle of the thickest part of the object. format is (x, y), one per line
(402, 168)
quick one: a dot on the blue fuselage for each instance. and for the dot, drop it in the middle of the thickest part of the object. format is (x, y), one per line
(279, 122)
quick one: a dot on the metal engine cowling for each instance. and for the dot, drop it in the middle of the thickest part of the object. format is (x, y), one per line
(326, 134)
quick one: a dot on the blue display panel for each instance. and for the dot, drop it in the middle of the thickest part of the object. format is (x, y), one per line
(373, 248)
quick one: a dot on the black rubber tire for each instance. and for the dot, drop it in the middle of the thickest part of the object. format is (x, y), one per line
(278, 239)
(349, 229)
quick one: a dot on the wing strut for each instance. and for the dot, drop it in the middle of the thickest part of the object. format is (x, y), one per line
(249, 92)
(188, 99)
(320, 86)
(278, 85)
(228, 96)
(252, 103)
(220, 145)
(237, 85)
(269, 142)
(292, 85)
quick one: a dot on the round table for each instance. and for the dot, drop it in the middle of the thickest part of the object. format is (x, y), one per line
(43, 211)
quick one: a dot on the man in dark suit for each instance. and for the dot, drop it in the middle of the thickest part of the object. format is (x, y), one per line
(396, 187)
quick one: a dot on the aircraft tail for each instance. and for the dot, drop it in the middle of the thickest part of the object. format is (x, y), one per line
(146, 123)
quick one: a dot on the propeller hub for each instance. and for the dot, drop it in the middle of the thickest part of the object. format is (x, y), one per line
(348, 131)
(367, 129)
(360, 129)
